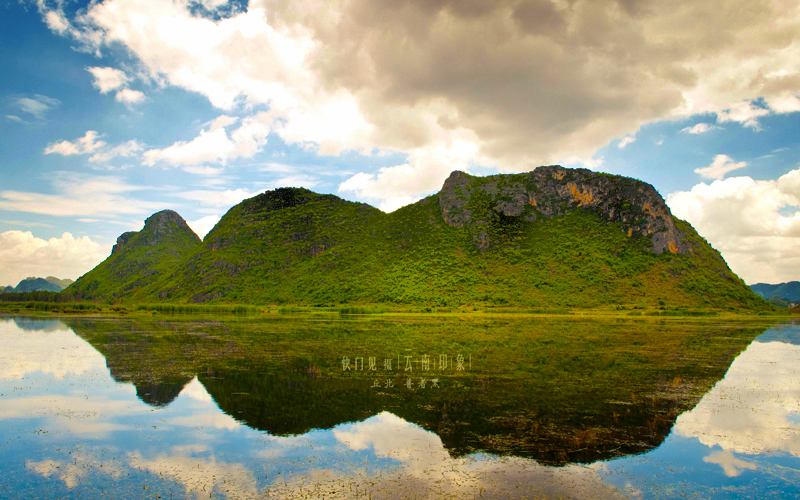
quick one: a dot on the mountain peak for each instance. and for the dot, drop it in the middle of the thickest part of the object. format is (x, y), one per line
(158, 227)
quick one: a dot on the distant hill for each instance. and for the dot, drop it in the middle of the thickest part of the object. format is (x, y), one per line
(789, 292)
(553, 237)
(49, 284)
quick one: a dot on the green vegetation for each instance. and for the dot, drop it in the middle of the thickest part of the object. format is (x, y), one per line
(138, 259)
(293, 247)
(199, 309)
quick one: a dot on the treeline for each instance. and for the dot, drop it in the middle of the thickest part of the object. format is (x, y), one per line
(41, 296)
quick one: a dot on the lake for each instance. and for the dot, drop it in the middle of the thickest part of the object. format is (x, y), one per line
(437, 406)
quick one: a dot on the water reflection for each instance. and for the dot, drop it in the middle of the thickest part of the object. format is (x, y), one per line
(242, 410)
(750, 411)
(744, 429)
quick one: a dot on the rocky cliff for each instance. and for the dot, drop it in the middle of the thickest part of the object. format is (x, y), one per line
(553, 191)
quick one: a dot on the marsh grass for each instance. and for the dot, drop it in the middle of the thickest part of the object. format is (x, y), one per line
(199, 309)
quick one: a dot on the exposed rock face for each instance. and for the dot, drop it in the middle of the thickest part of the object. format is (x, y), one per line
(123, 240)
(553, 191)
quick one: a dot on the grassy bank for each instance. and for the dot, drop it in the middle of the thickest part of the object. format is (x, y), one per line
(149, 309)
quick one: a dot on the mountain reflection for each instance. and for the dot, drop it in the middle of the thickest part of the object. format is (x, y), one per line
(241, 409)
(609, 389)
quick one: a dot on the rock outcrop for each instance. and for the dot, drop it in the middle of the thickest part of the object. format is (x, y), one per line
(554, 191)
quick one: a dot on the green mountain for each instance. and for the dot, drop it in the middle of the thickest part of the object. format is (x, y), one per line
(786, 291)
(138, 259)
(553, 237)
(49, 284)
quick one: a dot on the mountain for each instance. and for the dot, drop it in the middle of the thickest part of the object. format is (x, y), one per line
(138, 259)
(787, 291)
(49, 284)
(553, 237)
(62, 283)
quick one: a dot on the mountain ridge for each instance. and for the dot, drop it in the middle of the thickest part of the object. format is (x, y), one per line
(553, 237)
(35, 284)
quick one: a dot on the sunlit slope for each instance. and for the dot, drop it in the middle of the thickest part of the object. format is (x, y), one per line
(579, 245)
(138, 259)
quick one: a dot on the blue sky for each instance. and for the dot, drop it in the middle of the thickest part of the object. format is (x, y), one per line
(115, 109)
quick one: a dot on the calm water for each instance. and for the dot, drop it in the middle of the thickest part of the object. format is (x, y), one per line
(443, 408)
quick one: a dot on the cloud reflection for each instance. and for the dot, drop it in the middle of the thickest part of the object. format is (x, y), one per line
(751, 410)
(48, 347)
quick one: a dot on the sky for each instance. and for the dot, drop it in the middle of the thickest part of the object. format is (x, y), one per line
(115, 109)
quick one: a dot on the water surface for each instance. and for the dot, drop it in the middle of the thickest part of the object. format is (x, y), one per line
(443, 407)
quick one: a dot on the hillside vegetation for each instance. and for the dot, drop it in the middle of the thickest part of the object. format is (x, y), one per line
(551, 238)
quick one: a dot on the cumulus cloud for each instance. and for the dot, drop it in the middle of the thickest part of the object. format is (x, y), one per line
(22, 254)
(754, 224)
(700, 128)
(90, 143)
(108, 79)
(214, 144)
(721, 165)
(525, 82)
(129, 96)
(83, 145)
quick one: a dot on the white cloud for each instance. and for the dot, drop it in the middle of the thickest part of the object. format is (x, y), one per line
(743, 112)
(299, 180)
(108, 79)
(214, 145)
(721, 165)
(36, 106)
(203, 170)
(22, 255)
(83, 145)
(747, 221)
(785, 103)
(126, 150)
(425, 172)
(202, 226)
(79, 195)
(699, 128)
(56, 21)
(625, 141)
(129, 96)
